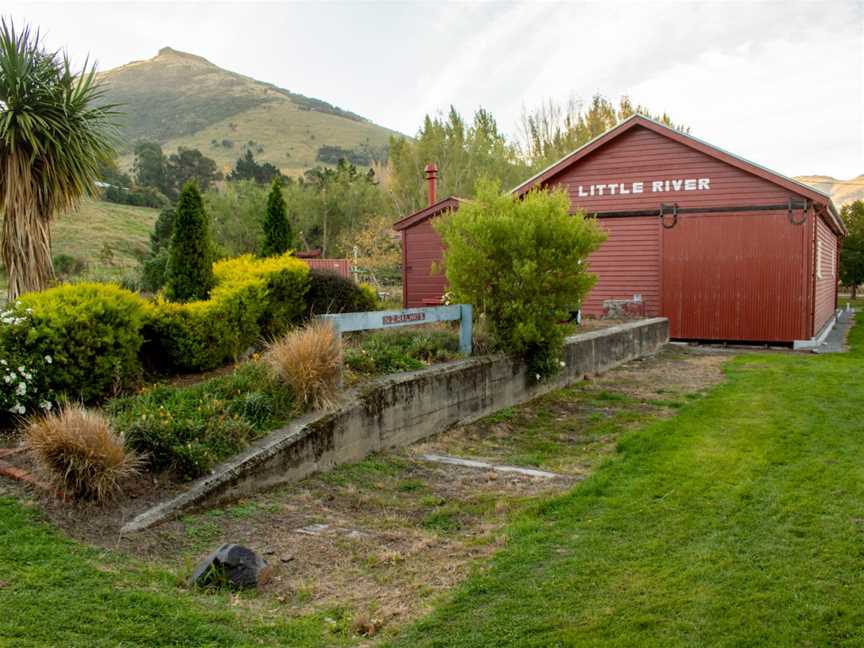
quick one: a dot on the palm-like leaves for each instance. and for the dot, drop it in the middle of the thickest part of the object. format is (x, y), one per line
(53, 136)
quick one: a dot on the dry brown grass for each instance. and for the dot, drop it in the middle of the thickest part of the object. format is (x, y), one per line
(309, 360)
(80, 453)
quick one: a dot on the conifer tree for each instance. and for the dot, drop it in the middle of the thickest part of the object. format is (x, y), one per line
(189, 274)
(277, 229)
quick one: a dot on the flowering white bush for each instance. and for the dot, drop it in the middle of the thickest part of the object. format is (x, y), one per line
(23, 379)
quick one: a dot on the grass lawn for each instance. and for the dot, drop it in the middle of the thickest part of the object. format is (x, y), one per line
(738, 522)
(56, 593)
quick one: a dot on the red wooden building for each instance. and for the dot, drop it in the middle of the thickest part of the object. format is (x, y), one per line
(724, 248)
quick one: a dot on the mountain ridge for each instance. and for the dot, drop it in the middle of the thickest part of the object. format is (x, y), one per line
(183, 99)
(841, 191)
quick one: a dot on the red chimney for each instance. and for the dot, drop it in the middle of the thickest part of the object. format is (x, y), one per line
(431, 177)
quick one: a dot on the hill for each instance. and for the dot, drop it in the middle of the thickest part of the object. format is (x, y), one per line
(842, 191)
(105, 238)
(180, 99)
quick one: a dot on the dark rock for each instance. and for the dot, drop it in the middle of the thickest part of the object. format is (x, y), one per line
(233, 565)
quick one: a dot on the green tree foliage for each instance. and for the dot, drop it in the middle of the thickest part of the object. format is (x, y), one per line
(55, 131)
(521, 263)
(552, 130)
(464, 153)
(155, 264)
(363, 155)
(334, 203)
(170, 174)
(234, 211)
(190, 165)
(189, 275)
(277, 230)
(109, 172)
(852, 250)
(248, 169)
(150, 167)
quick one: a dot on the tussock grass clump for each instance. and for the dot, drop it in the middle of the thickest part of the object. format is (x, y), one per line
(308, 359)
(80, 452)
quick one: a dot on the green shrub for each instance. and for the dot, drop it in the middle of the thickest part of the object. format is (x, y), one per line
(153, 271)
(188, 430)
(277, 229)
(24, 376)
(66, 265)
(189, 274)
(253, 299)
(91, 332)
(522, 263)
(201, 335)
(405, 350)
(331, 293)
(286, 280)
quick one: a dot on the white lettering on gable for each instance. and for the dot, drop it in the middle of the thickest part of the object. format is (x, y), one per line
(657, 186)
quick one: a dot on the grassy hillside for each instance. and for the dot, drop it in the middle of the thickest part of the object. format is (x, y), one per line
(181, 99)
(97, 227)
(842, 191)
(105, 236)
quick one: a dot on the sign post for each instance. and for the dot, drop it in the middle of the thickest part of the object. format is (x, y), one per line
(347, 322)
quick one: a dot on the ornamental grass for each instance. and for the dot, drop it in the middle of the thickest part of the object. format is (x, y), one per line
(309, 360)
(80, 453)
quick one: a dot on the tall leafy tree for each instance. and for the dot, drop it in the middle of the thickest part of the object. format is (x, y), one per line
(247, 168)
(463, 152)
(150, 167)
(552, 130)
(277, 229)
(852, 250)
(332, 203)
(189, 165)
(189, 275)
(54, 134)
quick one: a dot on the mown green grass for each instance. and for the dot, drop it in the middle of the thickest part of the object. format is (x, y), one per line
(738, 522)
(56, 593)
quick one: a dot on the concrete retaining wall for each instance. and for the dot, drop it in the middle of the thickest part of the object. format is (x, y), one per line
(403, 408)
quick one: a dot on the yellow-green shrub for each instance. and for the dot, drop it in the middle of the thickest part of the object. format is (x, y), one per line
(202, 335)
(253, 298)
(91, 332)
(286, 281)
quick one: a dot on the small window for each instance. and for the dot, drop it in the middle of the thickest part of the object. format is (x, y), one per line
(833, 260)
(819, 259)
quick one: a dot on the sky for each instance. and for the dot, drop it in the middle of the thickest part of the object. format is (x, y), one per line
(778, 83)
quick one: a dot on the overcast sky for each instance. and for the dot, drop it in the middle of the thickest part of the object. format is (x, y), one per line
(779, 83)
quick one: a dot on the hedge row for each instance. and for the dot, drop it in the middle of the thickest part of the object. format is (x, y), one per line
(101, 337)
(253, 298)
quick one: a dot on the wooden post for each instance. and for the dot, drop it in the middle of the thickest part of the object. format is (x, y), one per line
(465, 328)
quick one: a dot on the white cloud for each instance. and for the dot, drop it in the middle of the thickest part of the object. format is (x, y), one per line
(778, 82)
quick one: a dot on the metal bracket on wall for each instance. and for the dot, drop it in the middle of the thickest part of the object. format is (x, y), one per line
(804, 210)
(663, 207)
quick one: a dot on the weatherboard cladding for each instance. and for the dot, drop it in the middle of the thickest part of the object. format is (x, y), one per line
(826, 255)
(745, 275)
(422, 248)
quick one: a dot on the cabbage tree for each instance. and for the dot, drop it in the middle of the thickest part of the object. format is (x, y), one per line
(54, 132)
